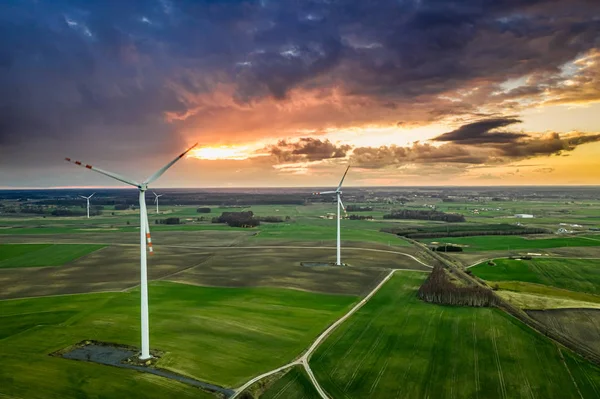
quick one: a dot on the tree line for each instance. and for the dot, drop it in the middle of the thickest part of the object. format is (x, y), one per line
(439, 289)
(463, 233)
(357, 208)
(424, 214)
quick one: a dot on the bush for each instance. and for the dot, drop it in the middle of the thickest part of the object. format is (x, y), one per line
(448, 248)
(122, 207)
(168, 221)
(203, 210)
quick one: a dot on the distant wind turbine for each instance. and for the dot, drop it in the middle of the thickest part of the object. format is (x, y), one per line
(144, 235)
(338, 193)
(156, 197)
(88, 203)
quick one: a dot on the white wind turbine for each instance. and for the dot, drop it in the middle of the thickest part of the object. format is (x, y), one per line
(144, 235)
(88, 203)
(338, 193)
(156, 197)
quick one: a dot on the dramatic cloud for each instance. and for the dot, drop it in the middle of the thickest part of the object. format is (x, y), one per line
(479, 132)
(132, 81)
(307, 149)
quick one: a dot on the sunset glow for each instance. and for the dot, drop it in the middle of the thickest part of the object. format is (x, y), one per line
(222, 152)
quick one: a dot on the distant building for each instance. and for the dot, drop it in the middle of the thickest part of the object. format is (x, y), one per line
(523, 216)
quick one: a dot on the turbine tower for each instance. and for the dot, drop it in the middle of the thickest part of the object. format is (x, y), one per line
(338, 193)
(156, 196)
(88, 203)
(144, 235)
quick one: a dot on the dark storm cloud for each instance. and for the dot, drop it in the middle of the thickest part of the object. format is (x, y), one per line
(480, 132)
(75, 72)
(473, 152)
(307, 149)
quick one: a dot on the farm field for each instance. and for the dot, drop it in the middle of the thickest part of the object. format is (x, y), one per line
(513, 243)
(38, 255)
(579, 275)
(237, 333)
(583, 325)
(295, 384)
(116, 267)
(398, 346)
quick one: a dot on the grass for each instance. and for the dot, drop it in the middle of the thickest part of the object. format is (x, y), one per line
(295, 384)
(318, 230)
(525, 300)
(38, 255)
(397, 346)
(579, 275)
(224, 336)
(509, 243)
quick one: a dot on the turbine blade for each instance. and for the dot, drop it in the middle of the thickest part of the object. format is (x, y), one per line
(81, 196)
(91, 195)
(341, 203)
(162, 170)
(343, 177)
(324, 192)
(148, 238)
(105, 173)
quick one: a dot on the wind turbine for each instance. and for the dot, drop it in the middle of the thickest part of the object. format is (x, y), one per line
(88, 203)
(338, 193)
(144, 235)
(156, 196)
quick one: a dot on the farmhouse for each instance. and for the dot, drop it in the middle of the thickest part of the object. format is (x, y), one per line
(523, 216)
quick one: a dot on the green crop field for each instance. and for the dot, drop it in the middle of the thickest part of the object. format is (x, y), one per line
(295, 384)
(37, 255)
(580, 275)
(397, 346)
(219, 335)
(509, 243)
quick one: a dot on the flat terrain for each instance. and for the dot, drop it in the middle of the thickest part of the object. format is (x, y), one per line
(583, 325)
(397, 346)
(512, 243)
(111, 269)
(40, 255)
(295, 384)
(579, 275)
(116, 267)
(225, 336)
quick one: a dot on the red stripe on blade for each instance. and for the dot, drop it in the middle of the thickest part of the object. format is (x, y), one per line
(88, 166)
(68, 159)
(78, 163)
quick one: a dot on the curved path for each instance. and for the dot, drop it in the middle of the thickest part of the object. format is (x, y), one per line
(305, 358)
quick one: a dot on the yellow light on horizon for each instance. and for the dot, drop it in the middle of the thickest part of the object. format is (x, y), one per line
(237, 153)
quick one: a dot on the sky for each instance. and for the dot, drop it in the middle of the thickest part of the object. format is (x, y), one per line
(289, 92)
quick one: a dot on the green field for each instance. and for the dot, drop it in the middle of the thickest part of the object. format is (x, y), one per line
(295, 384)
(397, 346)
(509, 243)
(219, 335)
(37, 255)
(580, 275)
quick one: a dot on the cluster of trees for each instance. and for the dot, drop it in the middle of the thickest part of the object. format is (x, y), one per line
(271, 219)
(168, 221)
(356, 208)
(438, 288)
(463, 233)
(424, 214)
(360, 217)
(447, 248)
(122, 207)
(203, 210)
(70, 212)
(238, 219)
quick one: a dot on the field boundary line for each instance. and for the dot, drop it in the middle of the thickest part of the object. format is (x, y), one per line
(305, 358)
